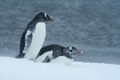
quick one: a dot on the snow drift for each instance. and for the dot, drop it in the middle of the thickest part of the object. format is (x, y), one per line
(22, 69)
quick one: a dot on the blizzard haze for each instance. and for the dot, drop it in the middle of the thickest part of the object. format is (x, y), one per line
(90, 25)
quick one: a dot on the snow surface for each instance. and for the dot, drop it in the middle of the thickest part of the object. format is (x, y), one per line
(23, 69)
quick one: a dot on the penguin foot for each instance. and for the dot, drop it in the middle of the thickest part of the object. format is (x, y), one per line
(20, 56)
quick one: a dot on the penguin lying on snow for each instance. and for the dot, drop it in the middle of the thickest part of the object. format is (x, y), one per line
(33, 36)
(55, 53)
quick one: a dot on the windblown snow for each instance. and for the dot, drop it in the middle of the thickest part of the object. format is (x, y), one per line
(23, 69)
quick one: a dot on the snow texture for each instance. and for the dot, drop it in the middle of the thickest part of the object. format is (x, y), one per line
(23, 69)
(63, 59)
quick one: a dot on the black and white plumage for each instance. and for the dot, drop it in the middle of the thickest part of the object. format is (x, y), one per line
(33, 36)
(55, 52)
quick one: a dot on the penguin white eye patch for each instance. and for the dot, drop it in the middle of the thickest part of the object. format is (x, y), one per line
(70, 48)
(45, 14)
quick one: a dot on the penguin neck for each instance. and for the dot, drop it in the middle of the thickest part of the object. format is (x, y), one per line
(40, 24)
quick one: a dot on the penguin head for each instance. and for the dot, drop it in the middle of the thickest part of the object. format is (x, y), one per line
(43, 17)
(71, 52)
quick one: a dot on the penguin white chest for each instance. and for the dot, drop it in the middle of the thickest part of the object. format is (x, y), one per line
(38, 37)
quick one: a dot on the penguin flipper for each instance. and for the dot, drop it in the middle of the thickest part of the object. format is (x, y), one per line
(28, 40)
(49, 58)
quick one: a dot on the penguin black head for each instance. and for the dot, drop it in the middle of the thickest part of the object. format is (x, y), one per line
(71, 52)
(43, 17)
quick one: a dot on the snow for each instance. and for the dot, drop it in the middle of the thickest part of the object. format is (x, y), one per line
(23, 69)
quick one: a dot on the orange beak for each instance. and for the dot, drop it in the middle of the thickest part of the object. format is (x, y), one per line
(79, 52)
(51, 20)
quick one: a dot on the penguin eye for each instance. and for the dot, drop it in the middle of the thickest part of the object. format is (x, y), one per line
(70, 50)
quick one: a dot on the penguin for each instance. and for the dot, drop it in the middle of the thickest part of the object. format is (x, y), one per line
(33, 36)
(55, 53)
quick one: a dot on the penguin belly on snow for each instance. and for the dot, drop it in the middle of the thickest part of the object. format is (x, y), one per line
(57, 53)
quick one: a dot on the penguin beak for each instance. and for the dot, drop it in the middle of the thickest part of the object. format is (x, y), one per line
(51, 20)
(80, 52)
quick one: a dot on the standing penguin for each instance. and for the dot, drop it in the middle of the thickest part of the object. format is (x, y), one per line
(56, 53)
(33, 36)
